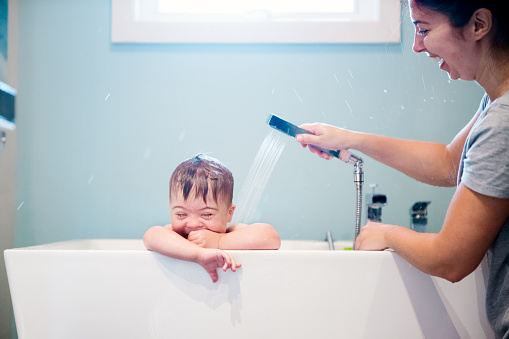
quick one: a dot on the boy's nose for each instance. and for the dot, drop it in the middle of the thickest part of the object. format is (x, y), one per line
(194, 223)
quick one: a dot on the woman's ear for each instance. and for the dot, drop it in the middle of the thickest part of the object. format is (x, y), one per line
(482, 23)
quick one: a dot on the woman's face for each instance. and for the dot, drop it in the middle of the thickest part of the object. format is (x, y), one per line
(447, 45)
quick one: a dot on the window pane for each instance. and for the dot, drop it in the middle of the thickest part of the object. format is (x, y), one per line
(246, 6)
(256, 21)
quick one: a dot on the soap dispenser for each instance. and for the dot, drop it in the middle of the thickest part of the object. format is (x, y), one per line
(419, 216)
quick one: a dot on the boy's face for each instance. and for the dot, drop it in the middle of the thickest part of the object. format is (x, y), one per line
(194, 214)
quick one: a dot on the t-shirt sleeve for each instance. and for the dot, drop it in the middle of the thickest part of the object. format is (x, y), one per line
(486, 163)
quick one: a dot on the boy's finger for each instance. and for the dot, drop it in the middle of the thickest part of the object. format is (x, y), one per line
(235, 265)
(214, 276)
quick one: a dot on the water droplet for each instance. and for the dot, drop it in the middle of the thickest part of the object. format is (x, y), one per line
(107, 97)
(298, 96)
(349, 106)
(90, 179)
(182, 135)
(147, 153)
(22, 203)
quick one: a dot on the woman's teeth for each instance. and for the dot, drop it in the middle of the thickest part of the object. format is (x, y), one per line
(438, 59)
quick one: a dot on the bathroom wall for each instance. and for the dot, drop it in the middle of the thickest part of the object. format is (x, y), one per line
(8, 62)
(101, 126)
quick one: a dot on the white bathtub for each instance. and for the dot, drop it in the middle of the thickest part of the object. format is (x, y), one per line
(117, 289)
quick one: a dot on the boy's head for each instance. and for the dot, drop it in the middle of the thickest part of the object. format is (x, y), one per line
(200, 176)
(201, 194)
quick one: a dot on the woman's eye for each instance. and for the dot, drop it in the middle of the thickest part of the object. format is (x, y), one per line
(422, 32)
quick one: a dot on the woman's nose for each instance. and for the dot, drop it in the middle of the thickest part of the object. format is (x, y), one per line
(418, 46)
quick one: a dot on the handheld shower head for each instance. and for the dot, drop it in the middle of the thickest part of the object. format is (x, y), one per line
(290, 129)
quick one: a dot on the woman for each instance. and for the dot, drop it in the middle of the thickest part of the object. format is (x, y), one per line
(470, 40)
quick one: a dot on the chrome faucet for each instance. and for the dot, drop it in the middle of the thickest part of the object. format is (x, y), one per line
(330, 241)
(419, 216)
(375, 202)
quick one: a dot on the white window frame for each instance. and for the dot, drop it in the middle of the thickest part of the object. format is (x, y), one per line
(375, 21)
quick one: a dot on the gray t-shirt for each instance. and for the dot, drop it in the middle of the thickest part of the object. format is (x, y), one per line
(484, 168)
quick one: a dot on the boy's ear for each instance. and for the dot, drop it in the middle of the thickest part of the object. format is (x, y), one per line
(230, 212)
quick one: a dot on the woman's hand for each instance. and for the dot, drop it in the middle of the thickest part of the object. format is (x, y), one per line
(372, 237)
(325, 136)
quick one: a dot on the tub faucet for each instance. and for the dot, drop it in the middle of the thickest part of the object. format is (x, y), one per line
(375, 202)
(419, 216)
(330, 241)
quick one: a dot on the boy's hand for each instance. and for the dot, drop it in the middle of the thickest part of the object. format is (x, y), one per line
(212, 259)
(205, 238)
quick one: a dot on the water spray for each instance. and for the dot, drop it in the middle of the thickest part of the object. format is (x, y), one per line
(290, 129)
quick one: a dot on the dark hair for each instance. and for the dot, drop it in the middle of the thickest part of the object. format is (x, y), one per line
(460, 12)
(199, 174)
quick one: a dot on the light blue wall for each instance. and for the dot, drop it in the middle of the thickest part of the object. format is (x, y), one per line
(101, 125)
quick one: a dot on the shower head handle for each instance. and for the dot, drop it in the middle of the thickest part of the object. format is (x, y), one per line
(290, 129)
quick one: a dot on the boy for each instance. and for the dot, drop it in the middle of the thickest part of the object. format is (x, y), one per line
(201, 194)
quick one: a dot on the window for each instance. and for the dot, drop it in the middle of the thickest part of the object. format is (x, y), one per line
(256, 21)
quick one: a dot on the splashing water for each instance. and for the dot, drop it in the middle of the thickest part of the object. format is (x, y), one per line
(258, 176)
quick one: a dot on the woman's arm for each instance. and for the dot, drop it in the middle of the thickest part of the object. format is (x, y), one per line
(431, 163)
(471, 225)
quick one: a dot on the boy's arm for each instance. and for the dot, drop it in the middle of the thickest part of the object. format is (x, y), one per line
(250, 237)
(169, 243)
(239, 237)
